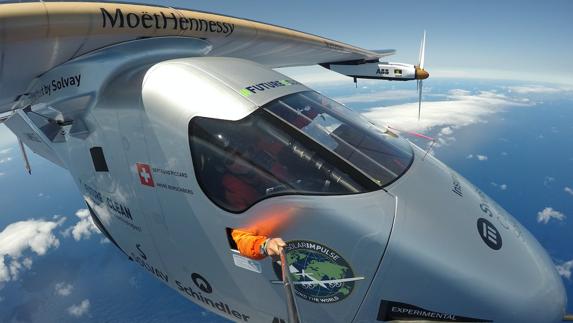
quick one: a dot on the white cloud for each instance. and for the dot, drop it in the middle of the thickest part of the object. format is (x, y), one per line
(459, 92)
(378, 96)
(565, 269)
(5, 151)
(80, 309)
(502, 187)
(2, 173)
(27, 262)
(63, 289)
(461, 108)
(17, 238)
(549, 213)
(83, 228)
(82, 213)
(538, 89)
(5, 160)
(443, 140)
(446, 131)
(568, 190)
(479, 157)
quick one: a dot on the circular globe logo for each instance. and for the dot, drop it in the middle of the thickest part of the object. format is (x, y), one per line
(319, 274)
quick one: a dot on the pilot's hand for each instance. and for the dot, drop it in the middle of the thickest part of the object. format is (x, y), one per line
(274, 246)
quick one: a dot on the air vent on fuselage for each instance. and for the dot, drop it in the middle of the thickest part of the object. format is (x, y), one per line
(98, 159)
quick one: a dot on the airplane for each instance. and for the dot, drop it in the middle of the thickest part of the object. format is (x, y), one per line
(149, 106)
(387, 71)
(332, 283)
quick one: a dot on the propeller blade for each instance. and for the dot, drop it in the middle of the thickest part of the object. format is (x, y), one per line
(422, 51)
(419, 83)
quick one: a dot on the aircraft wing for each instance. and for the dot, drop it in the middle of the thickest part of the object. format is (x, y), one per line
(36, 37)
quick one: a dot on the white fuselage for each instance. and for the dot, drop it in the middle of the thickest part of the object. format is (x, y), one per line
(128, 149)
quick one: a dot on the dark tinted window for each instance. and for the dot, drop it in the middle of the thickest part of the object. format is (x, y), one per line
(380, 155)
(238, 163)
(98, 159)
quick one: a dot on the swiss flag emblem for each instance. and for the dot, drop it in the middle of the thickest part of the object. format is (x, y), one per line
(144, 172)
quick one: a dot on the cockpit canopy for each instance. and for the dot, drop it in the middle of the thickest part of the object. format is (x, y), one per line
(302, 143)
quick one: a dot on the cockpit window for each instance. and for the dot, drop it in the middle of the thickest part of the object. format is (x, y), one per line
(377, 154)
(302, 143)
(239, 163)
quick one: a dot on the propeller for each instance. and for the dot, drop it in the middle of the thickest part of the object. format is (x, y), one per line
(421, 73)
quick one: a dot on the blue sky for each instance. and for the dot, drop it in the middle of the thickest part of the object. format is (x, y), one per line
(519, 40)
(524, 40)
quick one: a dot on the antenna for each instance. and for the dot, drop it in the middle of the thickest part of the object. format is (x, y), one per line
(419, 135)
(25, 157)
(293, 315)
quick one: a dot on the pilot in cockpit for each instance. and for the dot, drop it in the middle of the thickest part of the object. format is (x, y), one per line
(244, 182)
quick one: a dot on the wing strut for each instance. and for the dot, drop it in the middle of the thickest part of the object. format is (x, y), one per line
(25, 156)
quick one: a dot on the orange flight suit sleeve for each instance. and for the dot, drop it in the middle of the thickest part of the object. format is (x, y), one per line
(249, 244)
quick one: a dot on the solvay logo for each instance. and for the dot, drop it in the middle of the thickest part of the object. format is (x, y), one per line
(144, 172)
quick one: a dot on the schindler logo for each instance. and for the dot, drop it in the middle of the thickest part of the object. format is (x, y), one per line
(210, 300)
(202, 283)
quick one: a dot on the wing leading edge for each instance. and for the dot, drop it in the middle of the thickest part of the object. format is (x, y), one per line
(39, 36)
